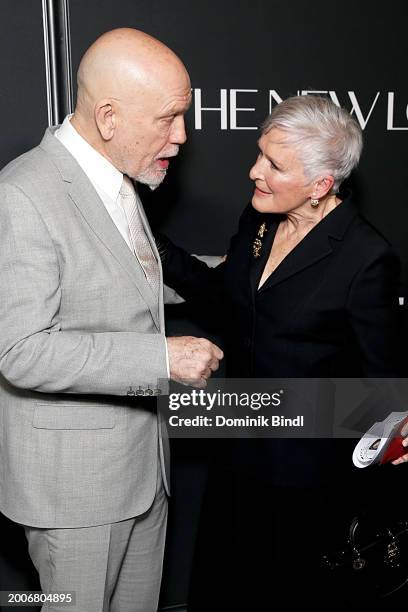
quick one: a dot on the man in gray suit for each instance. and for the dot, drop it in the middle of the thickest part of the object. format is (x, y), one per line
(83, 463)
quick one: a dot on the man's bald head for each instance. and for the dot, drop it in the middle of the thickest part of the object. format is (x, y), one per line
(132, 94)
(122, 60)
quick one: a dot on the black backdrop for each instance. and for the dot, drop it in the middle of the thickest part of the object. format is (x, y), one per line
(241, 55)
(265, 45)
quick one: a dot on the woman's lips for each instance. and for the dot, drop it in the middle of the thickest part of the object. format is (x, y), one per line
(261, 193)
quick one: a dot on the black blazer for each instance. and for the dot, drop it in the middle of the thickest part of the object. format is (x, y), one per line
(328, 310)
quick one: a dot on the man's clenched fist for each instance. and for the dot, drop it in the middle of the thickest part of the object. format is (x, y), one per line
(192, 360)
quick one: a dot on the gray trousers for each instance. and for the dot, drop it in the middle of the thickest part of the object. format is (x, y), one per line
(111, 568)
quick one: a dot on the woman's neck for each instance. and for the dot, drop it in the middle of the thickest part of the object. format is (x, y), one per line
(303, 219)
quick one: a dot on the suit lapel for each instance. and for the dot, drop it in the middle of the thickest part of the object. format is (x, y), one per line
(87, 201)
(152, 241)
(147, 228)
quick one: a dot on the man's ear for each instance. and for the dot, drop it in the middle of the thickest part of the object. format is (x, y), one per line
(322, 186)
(105, 119)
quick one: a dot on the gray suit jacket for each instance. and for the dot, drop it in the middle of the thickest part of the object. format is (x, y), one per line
(80, 327)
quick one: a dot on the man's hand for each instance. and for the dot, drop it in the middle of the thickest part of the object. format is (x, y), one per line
(192, 360)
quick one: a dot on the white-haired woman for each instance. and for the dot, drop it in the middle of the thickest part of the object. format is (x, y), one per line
(309, 289)
(308, 286)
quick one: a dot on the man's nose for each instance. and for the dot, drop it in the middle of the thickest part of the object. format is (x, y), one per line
(178, 133)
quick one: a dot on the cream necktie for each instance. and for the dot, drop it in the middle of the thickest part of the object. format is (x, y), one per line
(139, 240)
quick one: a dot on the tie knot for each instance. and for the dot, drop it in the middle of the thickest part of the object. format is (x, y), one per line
(127, 189)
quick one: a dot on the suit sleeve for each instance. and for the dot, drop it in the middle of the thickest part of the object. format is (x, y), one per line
(35, 352)
(373, 312)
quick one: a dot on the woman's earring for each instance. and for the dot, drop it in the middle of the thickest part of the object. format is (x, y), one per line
(314, 203)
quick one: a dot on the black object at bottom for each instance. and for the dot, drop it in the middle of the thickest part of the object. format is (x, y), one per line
(260, 543)
(374, 560)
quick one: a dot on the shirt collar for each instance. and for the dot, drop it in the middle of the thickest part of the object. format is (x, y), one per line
(97, 168)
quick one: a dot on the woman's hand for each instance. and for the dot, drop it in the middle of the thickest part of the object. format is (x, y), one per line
(403, 458)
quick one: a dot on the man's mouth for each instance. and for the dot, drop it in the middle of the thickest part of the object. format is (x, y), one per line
(163, 162)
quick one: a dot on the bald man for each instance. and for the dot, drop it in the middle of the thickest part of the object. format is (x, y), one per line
(82, 343)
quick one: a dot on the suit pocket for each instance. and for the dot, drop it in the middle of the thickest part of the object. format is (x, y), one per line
(73, 416)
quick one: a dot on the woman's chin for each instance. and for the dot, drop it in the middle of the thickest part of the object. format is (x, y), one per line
(262, 205)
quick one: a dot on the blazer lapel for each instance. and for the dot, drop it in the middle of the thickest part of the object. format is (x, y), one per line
(305, 254)
(87, 201)
(258, 263)
(316, 245)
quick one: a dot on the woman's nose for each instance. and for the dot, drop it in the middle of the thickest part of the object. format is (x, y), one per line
(255, 171)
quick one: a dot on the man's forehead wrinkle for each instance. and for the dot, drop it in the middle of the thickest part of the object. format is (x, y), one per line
(177, 103)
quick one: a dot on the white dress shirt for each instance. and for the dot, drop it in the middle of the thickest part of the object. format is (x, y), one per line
(105, 178)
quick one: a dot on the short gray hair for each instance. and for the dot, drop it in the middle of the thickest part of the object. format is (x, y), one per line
(326, 138)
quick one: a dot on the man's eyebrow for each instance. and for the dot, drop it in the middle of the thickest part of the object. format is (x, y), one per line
(173, 110)
(190, 99)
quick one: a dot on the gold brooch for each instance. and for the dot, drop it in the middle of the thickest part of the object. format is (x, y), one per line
(257, 245)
